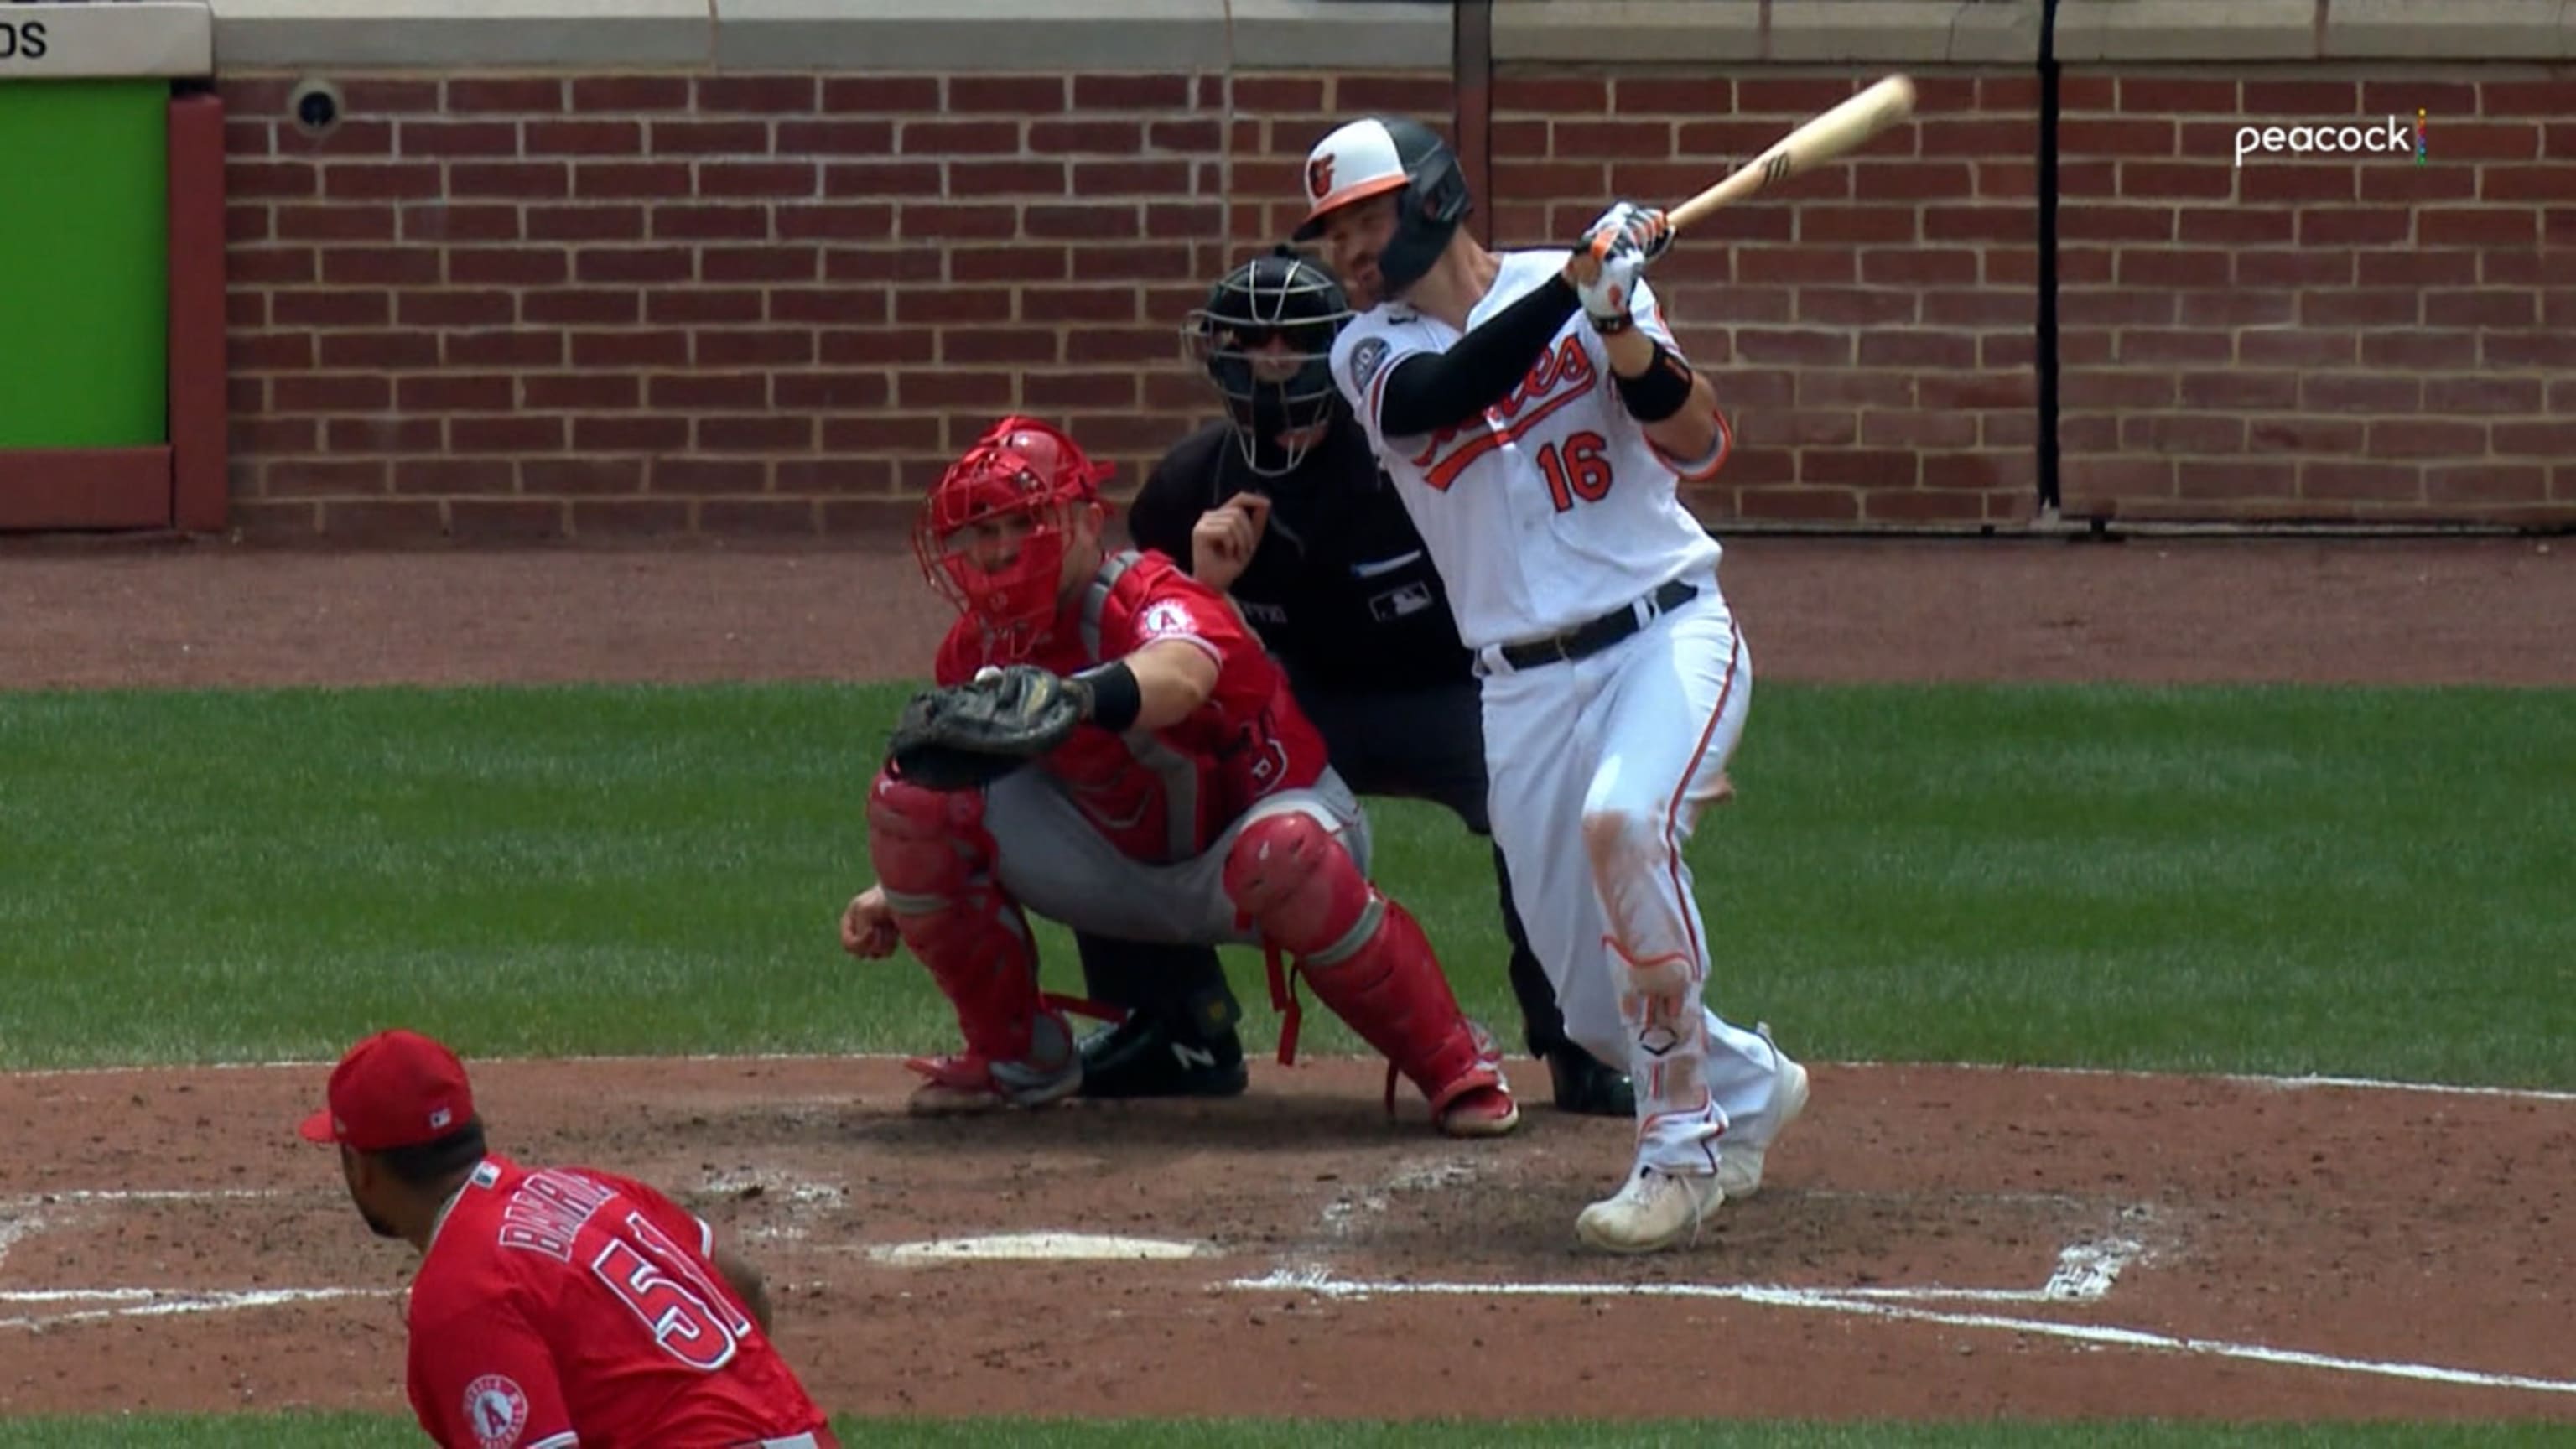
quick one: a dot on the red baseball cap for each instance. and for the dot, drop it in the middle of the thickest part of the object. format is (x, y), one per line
(394, 1089)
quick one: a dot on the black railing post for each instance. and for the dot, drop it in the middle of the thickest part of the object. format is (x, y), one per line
(2046, 361)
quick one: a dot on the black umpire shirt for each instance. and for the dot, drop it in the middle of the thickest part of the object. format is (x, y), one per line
(1340, 588)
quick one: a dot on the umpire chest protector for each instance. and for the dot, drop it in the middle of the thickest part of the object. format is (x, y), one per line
(1340, 588)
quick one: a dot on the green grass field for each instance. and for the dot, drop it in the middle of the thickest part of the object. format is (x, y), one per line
(2349, 882)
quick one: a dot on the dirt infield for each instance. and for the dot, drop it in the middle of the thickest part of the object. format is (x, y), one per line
(1934, 1242)
(1940, 1237)
(2397, 612)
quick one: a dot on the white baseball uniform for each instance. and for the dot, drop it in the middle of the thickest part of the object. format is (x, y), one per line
(1551, 511)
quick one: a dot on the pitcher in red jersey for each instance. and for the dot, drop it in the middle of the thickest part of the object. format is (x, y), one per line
(556, 1306)
(1195, 806)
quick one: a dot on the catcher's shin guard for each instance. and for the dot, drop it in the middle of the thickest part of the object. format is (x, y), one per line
(935, 861)
(1369, 961)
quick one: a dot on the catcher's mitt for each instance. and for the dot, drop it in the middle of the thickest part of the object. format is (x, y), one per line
(969, 735)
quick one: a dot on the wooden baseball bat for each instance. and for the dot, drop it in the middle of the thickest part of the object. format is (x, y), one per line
(1845, 128)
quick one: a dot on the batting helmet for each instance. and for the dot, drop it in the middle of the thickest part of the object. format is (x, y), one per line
(1265, 337)
(1379, 154)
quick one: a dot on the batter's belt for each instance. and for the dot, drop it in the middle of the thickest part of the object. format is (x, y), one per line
(1595, 635)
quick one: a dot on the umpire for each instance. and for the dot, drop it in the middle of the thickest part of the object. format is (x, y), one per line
(1282, 505)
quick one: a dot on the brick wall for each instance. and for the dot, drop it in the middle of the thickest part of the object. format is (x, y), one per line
(615, 304)
(2318, 338)
(524, 306)
(1871, 323)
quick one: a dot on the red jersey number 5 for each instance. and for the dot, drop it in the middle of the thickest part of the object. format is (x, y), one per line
(695, 1325)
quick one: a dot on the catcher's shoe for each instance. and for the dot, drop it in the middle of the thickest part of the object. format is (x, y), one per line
(963, 1082)
(1587, 1088)
(1654, 1210)
(1479, 1102)
(1148, 1055)
(1740, 1159)
(1480, 1112)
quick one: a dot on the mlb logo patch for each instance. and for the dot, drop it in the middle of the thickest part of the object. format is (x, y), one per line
(1400, 603)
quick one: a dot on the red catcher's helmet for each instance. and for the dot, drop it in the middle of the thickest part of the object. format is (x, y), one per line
(991, 537)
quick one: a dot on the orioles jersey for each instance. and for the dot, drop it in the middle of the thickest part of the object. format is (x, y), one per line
(1552, 508)
(567, 1307)
(1166, 795)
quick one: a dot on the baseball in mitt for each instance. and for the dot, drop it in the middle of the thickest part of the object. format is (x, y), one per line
(966, 736)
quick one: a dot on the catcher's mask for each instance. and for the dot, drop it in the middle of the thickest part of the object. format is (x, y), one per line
(1382, 154)
(993, 533)
(1265, 338)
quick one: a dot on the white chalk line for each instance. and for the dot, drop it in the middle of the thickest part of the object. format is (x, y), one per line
(21, 1219)
(2285, 1083)
(140, 1194)
(164, 1302)
(1874, 1304)
(1041, 1247)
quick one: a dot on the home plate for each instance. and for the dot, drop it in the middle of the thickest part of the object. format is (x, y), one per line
(1037, 1247)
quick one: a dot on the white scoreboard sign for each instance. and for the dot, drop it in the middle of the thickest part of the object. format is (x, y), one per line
(67, 41)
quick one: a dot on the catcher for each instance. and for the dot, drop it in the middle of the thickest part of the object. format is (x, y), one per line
(1107, 746)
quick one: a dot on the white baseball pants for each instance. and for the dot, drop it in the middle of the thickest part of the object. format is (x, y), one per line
(1600, 767)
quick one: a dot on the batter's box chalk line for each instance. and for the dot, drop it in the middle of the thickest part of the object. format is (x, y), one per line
(2084, 1274)
(159, 1302)
(23, 1215)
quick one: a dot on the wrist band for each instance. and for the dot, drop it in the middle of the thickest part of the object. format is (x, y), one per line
(1662, 390)
(1116, 697)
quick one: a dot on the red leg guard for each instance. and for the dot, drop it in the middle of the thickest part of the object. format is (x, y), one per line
(935, 861)
(1365, 955)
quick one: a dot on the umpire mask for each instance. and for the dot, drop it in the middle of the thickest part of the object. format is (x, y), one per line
(1265, 338)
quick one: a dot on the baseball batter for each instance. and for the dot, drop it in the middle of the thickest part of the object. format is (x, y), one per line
(1537, 417)
(555, 1307)
(1281, 505)
(1192, 805)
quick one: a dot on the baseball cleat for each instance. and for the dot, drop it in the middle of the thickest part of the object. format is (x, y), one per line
(963, 1083)
(1587, 1088)
(1147, 1056)
(1480, 1112)
(1740, 1156)
(1652, 1211)
(1739, 1162)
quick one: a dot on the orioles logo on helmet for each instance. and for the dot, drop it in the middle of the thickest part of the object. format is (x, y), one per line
(1319, 176)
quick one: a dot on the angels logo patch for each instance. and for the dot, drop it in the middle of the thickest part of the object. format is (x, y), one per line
(1366, 359)
(496, 1411)
(1168, 620)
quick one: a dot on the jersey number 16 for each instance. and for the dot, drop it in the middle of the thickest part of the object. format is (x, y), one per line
(1577, 470)
(692, 1321)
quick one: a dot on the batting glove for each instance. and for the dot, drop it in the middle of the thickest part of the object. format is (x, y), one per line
(1611, 288)
(1646, 229)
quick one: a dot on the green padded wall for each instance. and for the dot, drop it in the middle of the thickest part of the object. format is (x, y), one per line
(84, 278)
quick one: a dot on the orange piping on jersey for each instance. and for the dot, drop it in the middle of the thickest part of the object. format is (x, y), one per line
(1725, 447)
(1446, 471)
(1681, 788)
(1564, 365)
